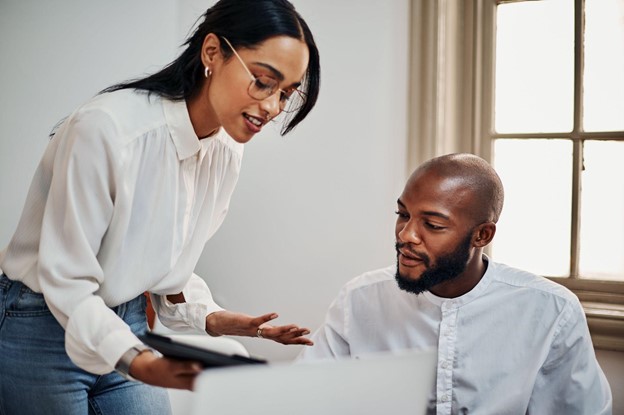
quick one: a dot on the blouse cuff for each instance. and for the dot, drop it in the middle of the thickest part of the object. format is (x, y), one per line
(97, 346)
(183, 316)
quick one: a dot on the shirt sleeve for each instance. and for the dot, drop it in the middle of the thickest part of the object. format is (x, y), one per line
(77, 214)
(330, 340)
(192, 313)
(571, 380)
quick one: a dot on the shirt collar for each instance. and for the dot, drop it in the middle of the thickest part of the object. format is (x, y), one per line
(181, 128)
(477, 291)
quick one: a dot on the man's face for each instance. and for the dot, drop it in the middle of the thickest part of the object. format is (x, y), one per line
(434, 231)
(445, 268)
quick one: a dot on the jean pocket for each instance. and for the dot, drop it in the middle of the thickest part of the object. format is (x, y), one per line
(28, 304)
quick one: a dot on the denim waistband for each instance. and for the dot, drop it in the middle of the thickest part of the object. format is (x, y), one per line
(5, 282)
(137, 304)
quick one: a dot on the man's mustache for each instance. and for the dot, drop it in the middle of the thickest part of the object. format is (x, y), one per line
(404, 248)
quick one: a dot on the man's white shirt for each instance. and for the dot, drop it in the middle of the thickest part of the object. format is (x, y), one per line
(516, 343)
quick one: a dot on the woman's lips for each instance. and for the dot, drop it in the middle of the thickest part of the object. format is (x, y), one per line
(254, 124)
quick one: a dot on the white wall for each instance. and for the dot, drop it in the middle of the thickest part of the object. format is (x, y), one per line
(312, 209)
(55, 55)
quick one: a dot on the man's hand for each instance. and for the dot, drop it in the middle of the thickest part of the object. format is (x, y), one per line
(237, 324)
(163, 371)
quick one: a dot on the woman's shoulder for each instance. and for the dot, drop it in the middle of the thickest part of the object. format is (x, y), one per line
(125, 105)
(128, 112)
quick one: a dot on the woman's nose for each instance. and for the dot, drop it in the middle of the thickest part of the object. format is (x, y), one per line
(271, 105)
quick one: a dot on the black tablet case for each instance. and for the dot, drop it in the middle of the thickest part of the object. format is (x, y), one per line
(208, 358)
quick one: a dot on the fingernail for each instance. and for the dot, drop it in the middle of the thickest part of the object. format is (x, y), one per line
(305, 333)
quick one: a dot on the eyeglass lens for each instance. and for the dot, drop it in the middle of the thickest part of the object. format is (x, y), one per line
(264, 86)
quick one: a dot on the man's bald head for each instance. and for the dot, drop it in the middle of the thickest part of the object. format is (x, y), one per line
(469, 173)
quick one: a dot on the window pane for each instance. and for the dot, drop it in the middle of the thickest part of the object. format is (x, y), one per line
(533, 232)
(604, 66)
(535, 67)
(602, 211)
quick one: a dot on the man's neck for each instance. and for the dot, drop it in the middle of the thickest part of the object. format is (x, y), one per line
(466, 281)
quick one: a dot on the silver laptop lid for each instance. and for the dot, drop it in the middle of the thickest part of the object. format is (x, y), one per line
(378, 384)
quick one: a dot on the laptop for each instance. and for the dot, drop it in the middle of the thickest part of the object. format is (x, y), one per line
(394, 384)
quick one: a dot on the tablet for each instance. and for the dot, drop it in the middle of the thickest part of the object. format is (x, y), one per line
(208, 358)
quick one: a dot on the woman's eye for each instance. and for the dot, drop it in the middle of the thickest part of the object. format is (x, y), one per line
(286, 95)
(263, 85)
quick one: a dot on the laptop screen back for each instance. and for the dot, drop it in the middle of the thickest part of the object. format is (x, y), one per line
(381, 384)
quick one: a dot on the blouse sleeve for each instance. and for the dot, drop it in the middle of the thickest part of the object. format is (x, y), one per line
(77, 213)
(192, 313)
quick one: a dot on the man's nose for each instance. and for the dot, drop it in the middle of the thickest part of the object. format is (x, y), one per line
(409, 234)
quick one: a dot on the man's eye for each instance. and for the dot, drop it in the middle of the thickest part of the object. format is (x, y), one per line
(433, 226)
(402, 215)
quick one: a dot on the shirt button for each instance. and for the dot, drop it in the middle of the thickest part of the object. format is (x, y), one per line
(445, 398)
(444, 365)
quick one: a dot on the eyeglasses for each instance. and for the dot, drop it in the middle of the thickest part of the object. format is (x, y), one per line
(263, 86)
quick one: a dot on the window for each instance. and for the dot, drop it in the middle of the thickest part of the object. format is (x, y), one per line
(537, 87)
(557, 140)
(558, 136)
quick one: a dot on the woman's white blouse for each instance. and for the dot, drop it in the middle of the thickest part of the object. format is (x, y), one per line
(122, 202)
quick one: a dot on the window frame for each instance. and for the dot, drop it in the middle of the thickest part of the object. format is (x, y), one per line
(452, 68)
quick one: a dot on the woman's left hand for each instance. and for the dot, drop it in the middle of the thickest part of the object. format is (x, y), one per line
(238, 324)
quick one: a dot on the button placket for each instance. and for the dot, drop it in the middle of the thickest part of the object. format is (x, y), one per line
(446, 353)
(189, 182)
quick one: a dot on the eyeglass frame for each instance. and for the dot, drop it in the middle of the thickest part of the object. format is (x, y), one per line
(254, 79)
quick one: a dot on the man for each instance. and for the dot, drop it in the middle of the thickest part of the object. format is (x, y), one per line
(509, 342)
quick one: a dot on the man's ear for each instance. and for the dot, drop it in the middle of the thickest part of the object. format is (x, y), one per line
(484, 234)
(211, 48)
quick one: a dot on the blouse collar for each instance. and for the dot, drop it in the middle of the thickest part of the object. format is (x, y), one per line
(181, 128)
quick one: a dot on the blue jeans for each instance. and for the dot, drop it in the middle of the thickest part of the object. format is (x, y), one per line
(37, 376)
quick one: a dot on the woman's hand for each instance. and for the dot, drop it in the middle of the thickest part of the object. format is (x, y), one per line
(237, 324)
(163, 371)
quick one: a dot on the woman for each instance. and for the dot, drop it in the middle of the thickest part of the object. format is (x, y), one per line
(129, 190)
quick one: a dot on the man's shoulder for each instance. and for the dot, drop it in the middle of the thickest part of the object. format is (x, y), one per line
(372, 278)
(522, 279)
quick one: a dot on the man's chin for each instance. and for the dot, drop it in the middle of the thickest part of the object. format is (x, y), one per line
(411, 273)
(410, 283)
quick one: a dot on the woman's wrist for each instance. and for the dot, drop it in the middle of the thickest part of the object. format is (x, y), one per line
(124, 364)
(212, 324)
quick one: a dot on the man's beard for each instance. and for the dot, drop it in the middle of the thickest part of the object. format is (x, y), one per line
(446, 268)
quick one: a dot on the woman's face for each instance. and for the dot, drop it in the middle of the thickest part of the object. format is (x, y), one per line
(225, 94)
